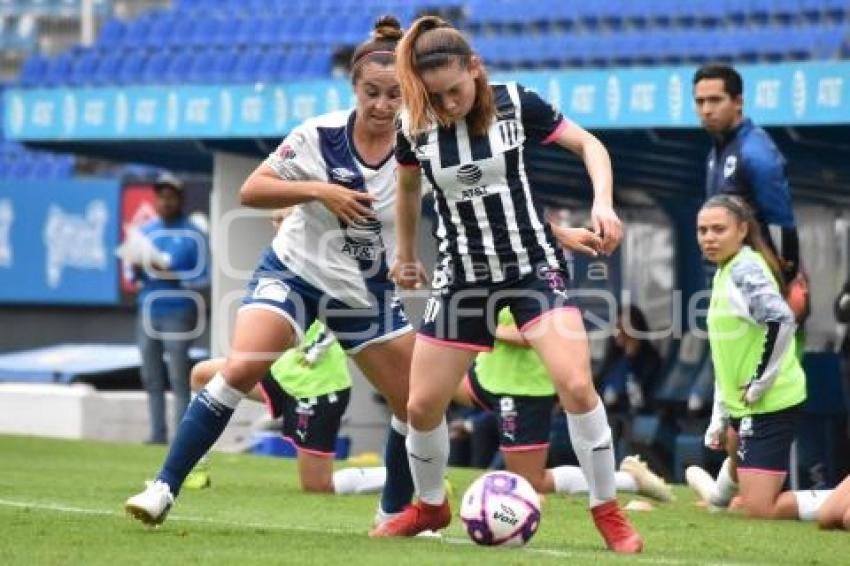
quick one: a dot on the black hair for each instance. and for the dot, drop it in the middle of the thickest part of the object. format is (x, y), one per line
(732, 82)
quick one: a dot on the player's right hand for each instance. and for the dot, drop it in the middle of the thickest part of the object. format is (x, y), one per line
(714, 436)
(408, 273)
(352, 207)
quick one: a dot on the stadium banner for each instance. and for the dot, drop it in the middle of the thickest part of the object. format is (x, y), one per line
(804, 93)
(57, 242)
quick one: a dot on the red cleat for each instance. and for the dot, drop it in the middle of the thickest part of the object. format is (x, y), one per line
(414, 519)
(614, 527)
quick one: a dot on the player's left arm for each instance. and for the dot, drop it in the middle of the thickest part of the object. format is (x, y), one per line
(765, 170)
(541, 119)
(596, 160)
(768, 309)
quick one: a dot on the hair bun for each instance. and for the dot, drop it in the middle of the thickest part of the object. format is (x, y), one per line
(387, 28)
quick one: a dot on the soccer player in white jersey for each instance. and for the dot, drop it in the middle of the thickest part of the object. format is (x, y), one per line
(496, 250)
(330, 260)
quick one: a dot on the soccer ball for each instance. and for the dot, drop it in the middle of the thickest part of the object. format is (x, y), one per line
(500, 508)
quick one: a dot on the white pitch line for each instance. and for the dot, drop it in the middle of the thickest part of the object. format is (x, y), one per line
(61, 508)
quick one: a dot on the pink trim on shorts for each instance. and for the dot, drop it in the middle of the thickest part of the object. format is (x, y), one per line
(467, 384)
(267, 400)
(456, 345)
(763, 471)
(524, 447)
(409, 165)
(541, 316)
(316, 452)
(290, 440)
(559, 129)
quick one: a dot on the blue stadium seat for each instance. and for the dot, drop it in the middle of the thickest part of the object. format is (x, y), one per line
(112, 34)
(294, 64)
(58, 69)
(202, 69)
(268, 67)
(106, 71)
(33, 71)
(176, 68)
(83, 67)
(130, 68)
(136, 34)
(318, 64)
(245, 65)
(224, 63)
(160, 29)
(182, 33)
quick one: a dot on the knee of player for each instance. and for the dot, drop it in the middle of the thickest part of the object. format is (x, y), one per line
(198, 377)
(423, 415)
(578, 391)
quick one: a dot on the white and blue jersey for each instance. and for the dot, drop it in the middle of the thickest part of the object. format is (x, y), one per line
(490, 226)
(346, 262)
(320, 268)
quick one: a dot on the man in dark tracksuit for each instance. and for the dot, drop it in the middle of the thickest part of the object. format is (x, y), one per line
(744, 161)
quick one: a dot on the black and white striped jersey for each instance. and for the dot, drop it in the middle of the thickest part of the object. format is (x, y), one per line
(490, 228)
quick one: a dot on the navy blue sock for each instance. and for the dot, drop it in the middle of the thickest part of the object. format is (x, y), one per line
(398, 489)
(202, 424)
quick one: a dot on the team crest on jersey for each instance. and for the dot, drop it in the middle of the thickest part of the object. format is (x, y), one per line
(286, 152)
(469, 174)
(729, 166)
(343, 175)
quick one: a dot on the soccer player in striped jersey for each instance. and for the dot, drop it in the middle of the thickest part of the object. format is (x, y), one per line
(759, 383)
(496, 250)
(512, 382)
(330, 260)
(308, 388)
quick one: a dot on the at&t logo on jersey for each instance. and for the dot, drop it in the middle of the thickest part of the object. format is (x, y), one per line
(363, 240)
(469, 174)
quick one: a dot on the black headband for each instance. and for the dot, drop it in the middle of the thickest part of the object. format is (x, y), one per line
(441, 53)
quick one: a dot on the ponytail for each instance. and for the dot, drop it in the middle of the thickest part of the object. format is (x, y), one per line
(432, 43)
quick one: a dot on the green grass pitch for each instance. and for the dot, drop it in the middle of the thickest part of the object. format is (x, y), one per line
(61, 503)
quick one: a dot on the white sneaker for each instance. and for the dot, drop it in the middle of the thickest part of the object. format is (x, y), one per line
(702, 483)
(152, 505)
(649, 484)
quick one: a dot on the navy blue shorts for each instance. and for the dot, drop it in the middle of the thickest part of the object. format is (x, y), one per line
(466, 317)
(524, 420)
(275, 287)
(311, 423)
(764, 441)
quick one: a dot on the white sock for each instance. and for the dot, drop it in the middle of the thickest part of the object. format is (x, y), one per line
(809, 503)
(592, 443)
(570, 479)
(726, 487)
(428, 454)
(398, 425)
(219, 390)
(359, 480)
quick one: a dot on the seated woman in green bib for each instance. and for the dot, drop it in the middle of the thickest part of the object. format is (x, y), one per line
(512, 382)
(309, 388)
(759, 383)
